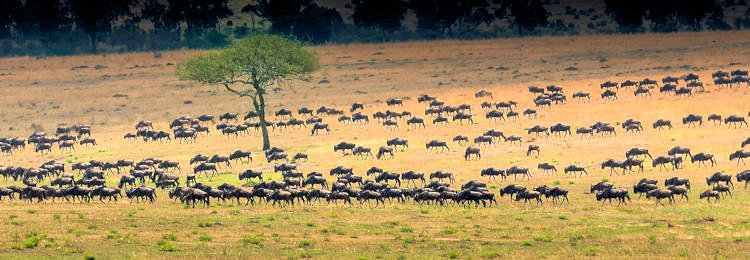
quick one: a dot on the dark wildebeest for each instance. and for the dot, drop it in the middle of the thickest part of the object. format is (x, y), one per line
(692, 119)
(677, 181)
(560, 128)
(746, 142)
(609, 95)
(609, 84)
(356, 106)
(440, 120)
(735, 120)
(415, 121)
(714, 118)
(739, 155)
(676, 190)
(532, 148)
(383, 150)
(320, 126)
(637, 152)
(228, 116)
(494, 115)
(536, 90)
(462, 116)
(546, 167)
(249, 174)
(711, 194)
(239, 154)
(462, 139)
(677, 150)
(411, 176)
(641, 91)
(511, 190)
(744, 176)
(659, 195)
(573, 169)
(492, 173)
(395, 142)
(719, 177)
(584, 131)
(518, 170)
(581, 95)
(702, 158)
(434, 144)
(513, 138)
(394, 102)
(483, 93)
(486, 140)
(343, 147)
(528, 112)
(662, 123)
(440, 175)
(538, 129)
(721, 188)
(612, 164)
(470, 151)
(643, 187)
(613, 193)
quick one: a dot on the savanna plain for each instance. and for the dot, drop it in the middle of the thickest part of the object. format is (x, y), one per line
(113, 92)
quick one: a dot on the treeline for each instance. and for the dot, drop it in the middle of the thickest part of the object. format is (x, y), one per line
(60, 27)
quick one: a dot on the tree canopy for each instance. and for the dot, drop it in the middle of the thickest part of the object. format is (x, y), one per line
(250, 66)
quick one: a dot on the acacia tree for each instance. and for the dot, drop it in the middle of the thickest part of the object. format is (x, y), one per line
(250, 66)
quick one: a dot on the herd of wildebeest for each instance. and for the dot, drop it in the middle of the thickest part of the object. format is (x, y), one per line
(85, 181)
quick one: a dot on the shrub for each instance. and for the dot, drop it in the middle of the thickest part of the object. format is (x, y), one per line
(166, 246)
(205, 238)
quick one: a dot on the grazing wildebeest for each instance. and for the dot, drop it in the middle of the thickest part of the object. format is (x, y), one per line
(345, 119)
(395, 142)
(360, 118)
(662, 123)
(470, 151)
(546, 167)
(581, 95)
(677, 181)
(425, 98)
(462, 139)
(440, 175)
(344, 146)
(679, 150)
(283, 113)
(434, 144)
(532, 148)
(696, 84)
(415, 121)
(573, 169)
(205, 167)
(606, 129)
(702, 158)
(390, 124)
(668, 88)
(719, 177)
(630, 162)
(739, 155)
(320, 126)
(710, 194)
(383, 150)
(609, 95)
(744, 176)
(662, 160)
(670, 79)
(735, 120)
(628, 83)
(513, 138)
(692, 119)
(659, 195)
(676, 190)
(239, 154)
(684, 91)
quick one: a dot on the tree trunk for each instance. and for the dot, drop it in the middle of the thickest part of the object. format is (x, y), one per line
(92, 40)
(260, 108)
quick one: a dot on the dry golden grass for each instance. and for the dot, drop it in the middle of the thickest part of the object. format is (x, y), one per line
(49, 93)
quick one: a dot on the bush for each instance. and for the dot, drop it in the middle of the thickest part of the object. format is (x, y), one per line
(166, 246)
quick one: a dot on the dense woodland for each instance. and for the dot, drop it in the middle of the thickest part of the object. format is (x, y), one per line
(64, 27)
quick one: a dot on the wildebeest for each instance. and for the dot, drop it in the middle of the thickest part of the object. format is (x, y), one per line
(494, 115)
(609, 95)
(546, 167)
(239, 154)
(513, 138)
(573, 169)
(662, 123)
(435, 144)
(532, 148)
(660, 194)
(395, 142)
(511, 190)
(702, 158)
(710, 194)
(440, 120)
(343, 147)
(584, 131)
(462, 116)
(612, 164)
(677, 181)
(383, 150)
(205, 167)
(320, 126)
(538, 129)
(440, 175)
(719, 177)
(228, 116)
(560, 128)
(518, 170)
(536, 90)
(692, 119)
(739, 155)
(394, 102)
(744, 176)
(714, 118)
(581, 95)
(361, 151)
(470, 151)
(613, 193)
(610, 84)
(641, 91)
(643, 187)
(721, 188)
(249, 174)
(635, 151)
(483, 93)
(735, 120)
